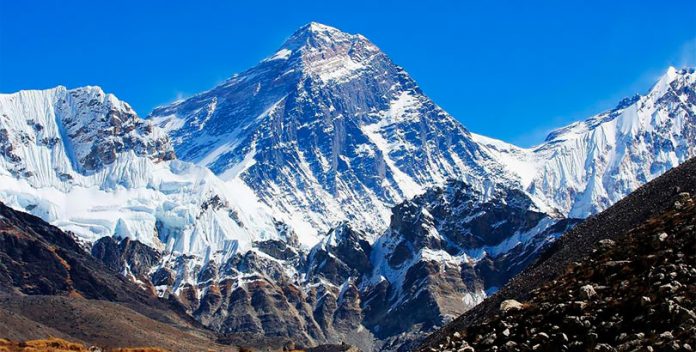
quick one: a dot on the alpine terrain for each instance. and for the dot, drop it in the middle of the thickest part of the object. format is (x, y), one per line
(321, 195)
(623, 280)
(326, 130)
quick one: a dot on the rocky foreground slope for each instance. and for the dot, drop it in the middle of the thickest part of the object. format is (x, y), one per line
(623, 280)
(50, 286)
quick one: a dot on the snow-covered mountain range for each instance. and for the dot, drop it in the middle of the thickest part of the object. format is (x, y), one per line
(321, 194)
(585, 167)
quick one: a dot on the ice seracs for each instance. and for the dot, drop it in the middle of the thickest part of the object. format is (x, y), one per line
(84, 161)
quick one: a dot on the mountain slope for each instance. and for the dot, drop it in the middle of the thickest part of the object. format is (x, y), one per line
(49, 283)
(62, 145)
(659, 201)
(447, 250)
(583, 168)
(326, 130)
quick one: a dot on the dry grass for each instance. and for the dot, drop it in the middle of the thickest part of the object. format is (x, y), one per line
(53, 344)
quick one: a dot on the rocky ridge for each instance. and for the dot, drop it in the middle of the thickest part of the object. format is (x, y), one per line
(630, 290)
(584, 168)
(49, 284)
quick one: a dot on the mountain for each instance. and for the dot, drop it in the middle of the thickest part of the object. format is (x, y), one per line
(49, 286)
(61, 145)
(587, 166)
(622, 280)
(321, 196)
(339, 141)
(447, 249)
(326, 130)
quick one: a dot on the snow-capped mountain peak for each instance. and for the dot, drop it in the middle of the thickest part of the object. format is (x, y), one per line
(87, 127)
(315, 34)
(325, 53)
(326, 129)
(319, 36)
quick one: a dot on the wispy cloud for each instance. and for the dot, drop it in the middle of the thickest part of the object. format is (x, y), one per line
(687, 54)
(181, 96)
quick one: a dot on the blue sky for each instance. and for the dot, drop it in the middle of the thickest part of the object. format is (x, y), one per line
(508, 69)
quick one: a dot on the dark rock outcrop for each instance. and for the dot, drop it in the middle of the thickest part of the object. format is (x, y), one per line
(446, 249)
(45, 276)
(621, 280)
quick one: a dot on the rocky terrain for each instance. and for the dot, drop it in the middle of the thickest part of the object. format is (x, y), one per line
(446, 250)
(442, 249)
(626, 286)
(54, 344)
(49, 286)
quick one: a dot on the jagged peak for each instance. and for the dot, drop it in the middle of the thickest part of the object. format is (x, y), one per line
(317, 27)
(672, 74)
(79, 93)
(685, 75)
(323, 51)
(627, 101)
(317, 35)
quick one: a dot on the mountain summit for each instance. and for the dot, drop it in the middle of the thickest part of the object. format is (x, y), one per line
(325, 130)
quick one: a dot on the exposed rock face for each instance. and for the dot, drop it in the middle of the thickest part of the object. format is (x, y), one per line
(39, 259)
(90, 126)
(259, 292)
(129, 257)
(445, 250)
(118, 129)
(607, 284)
(344, 253)
(327, 130)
